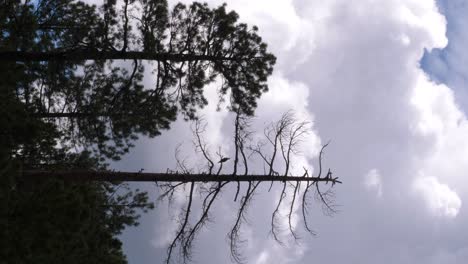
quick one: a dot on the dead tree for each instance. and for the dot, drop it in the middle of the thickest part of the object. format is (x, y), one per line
(280, 143)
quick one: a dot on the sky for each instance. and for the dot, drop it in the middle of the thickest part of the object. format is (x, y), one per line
(385, 82)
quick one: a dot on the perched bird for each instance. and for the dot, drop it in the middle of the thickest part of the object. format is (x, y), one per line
(223, 160)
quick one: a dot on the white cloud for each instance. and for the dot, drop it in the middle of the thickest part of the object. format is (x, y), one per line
(442, 127)
(439, 114)
(288, 34)
(373, 181)
(439, 198)
(214, 119)
(263, 258)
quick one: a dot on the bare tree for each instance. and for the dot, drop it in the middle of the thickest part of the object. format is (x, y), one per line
(280, 142)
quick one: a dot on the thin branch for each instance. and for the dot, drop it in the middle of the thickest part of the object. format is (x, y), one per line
(198, 131)
(291, 209)
(274, 226)
(184, 224)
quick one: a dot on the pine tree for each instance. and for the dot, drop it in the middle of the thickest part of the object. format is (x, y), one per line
(82, 66)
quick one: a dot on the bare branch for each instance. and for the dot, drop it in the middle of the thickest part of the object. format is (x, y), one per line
(236, 142)
(200, 145)
(183, 225)
(291, 209)
(309, 184)
(234, 234)
(327, 198)
(274, 226)
(207, 203)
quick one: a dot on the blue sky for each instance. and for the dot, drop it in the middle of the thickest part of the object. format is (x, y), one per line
(386, 82)
(448, 65)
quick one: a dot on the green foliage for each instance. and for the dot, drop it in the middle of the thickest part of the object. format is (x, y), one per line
(103, 105)
(62, 222)
(52, 221)
(48, 220)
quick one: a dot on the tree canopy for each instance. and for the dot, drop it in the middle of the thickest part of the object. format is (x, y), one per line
(56, 221)
(52, 220)
(81, 66)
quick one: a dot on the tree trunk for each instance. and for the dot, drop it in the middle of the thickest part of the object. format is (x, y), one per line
(67, 115)
(86, 175)
(82, 55)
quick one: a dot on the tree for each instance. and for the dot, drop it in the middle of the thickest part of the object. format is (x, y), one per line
(63, 55)
(51, 220)
(74, 82)
(281, 144)
(57, 221)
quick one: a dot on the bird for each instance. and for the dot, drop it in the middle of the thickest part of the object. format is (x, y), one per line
(222, 160)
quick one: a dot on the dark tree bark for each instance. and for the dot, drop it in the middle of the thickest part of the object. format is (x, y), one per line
(86, 175)
(83, 55)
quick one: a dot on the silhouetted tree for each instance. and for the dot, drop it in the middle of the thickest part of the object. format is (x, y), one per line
(276, 152)
(73, 86)
(62, 58)
(55, 221)
(51, 220)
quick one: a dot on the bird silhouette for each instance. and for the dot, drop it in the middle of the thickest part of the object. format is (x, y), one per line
(223, 160)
